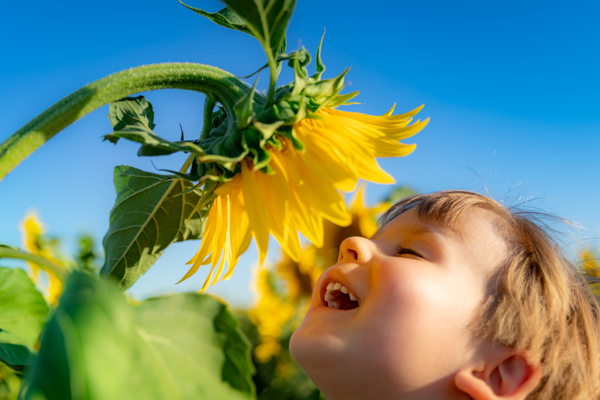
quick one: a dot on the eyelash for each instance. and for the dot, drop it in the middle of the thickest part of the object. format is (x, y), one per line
(403, 250)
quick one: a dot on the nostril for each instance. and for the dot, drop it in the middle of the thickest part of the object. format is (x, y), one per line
(353, 254)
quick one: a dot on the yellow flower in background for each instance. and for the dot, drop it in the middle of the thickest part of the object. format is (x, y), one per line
(367, 216)
(339, 149)
(269, 316)
(32, 230)
(274, 313)
(591, 266)
(589, 263)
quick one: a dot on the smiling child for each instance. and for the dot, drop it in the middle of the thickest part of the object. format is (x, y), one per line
(455, 297)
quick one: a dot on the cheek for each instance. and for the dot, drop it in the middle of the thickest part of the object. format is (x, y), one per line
(419, 319)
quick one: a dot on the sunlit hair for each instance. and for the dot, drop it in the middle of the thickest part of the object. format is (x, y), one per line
(537, 299)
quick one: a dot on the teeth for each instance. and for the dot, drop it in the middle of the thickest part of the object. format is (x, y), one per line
(333, 304)
(335, 286)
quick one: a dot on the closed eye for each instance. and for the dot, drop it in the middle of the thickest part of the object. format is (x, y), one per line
(403, 250)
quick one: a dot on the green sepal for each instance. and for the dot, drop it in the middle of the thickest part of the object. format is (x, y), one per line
(285, 111)
(214, 172)
(252, 139)
(227, 150)
(302, 57)
(342, 99)
(300, 74)
(328, 87)
(244, 108)
(267, 130)
(320, 66)
(289, 134)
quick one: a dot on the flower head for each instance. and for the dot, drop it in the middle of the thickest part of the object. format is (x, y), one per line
(301, 187)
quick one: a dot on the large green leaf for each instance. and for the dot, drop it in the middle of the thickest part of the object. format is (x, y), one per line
(97, 346)
(266, 19)
(23, 309)
(149, 214)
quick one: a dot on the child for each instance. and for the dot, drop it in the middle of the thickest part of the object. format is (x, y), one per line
(455, 297)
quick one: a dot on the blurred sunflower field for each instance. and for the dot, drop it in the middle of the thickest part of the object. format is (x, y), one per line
(282, 292)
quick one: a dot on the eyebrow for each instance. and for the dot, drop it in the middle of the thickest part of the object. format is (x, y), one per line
(418, 230)
(421, 230)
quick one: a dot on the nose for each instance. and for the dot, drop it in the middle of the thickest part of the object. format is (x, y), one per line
(355, 249)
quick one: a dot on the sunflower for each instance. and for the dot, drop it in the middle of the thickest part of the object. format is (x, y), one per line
(33, 241)
(302, 188)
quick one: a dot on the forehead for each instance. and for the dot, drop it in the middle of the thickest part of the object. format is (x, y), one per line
(478, 235)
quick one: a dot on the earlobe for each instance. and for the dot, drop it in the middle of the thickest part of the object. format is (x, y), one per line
(512, 377)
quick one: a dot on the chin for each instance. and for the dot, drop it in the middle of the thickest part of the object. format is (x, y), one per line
(314, 349)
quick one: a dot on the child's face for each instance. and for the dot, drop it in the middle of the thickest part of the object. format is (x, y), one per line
(418, 286)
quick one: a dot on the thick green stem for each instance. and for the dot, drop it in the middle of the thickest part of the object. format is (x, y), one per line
(44, 263)
(226, 88)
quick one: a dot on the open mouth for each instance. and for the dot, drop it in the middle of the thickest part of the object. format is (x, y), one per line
(339, 297)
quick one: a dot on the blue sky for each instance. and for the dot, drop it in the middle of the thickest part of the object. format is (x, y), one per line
(511, 88)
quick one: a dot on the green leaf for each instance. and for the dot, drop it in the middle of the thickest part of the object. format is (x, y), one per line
(225, 147)
(23, 309)
(97, 346)
(183, 318)
(132, 118)
(15, 356)
(229, 19)
(148, 216)
(266, 19)
(224, 17)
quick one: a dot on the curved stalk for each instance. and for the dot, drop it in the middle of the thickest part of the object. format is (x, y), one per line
(44, 263)
(226, 89)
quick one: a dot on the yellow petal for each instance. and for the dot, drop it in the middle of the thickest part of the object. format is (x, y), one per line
(257, 212)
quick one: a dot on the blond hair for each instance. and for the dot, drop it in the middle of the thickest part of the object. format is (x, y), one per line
(538, 300)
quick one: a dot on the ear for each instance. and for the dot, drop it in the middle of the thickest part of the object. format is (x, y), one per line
(507, 377)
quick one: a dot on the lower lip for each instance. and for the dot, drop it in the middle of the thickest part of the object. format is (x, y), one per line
(329, 309)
